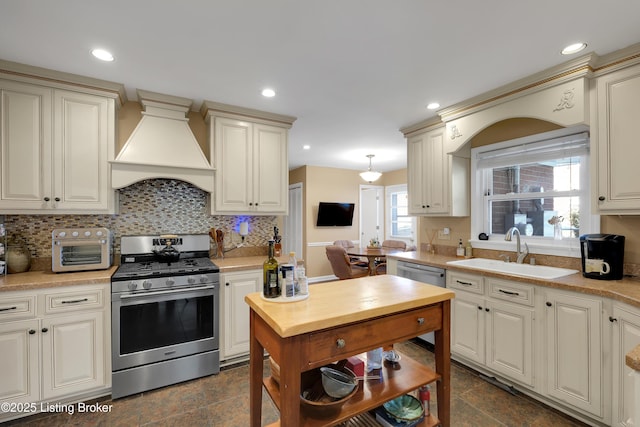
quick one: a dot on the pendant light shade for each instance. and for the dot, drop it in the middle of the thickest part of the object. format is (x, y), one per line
(370, 175)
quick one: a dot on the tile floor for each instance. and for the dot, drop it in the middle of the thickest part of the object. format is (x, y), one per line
(222, 400)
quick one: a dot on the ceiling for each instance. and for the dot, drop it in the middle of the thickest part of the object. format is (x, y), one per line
(353, 72)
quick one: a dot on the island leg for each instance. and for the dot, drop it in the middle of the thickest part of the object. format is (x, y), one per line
(256, 356)
(443, 365)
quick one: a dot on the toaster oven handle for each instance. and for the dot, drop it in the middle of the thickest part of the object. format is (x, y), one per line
(172, 291)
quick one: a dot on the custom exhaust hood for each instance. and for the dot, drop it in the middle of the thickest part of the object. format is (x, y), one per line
(162, 146)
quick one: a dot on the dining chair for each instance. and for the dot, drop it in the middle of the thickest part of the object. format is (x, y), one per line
(341, 266)
(354, 259)
(381, 267)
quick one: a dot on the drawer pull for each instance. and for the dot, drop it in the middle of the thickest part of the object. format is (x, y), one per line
(75, 301)
(464, 283)
(8, 308)
(509, 292)
(420, 320)
(340, 343)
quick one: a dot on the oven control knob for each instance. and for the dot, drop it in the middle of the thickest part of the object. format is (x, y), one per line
(87, 233)
(75, 234)
(191, 280)
(132, 286)
(62, 234)
(203, 279)
(170, 282)
(99, 233)
(147, 284)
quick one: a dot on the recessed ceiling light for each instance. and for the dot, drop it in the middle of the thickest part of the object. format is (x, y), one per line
(102, 54)
(573, 48)
(268, 93)
(433, 105)
(306, 147)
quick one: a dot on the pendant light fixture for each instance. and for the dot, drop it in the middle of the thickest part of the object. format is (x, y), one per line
(370, 175)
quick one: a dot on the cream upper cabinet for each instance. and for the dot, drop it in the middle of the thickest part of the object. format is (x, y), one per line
(56, 146)
(249, 152)
(617, 189)
(438, 183)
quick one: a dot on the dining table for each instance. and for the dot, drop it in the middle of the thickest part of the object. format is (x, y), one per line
(372, 254)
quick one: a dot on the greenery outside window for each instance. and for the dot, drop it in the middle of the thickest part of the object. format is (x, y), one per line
(538, 184)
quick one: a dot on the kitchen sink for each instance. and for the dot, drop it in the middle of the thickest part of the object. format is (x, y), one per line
(525, 270)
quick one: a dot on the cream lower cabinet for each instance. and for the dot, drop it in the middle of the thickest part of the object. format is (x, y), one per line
(617, 189)
(626, 336)
(492, 325)
(249, 151)
(574, 368)
(54, 343)
(55, 148)
(235, 328)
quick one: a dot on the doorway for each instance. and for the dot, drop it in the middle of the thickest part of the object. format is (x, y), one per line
(371, 213)
(292, 238)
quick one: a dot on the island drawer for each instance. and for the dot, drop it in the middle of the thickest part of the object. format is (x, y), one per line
(338, 343)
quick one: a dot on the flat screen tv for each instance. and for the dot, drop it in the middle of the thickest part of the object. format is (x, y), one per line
(335, 214)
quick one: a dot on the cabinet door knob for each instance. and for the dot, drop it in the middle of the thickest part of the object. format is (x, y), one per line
(612, 319)
(601, 198)
(420, 320)
(32, 331)
(340, 343)
(250, 204)
(486, 309)
(45, 330)
(57, 199)
(428, 206)
(227, 284)
(46, 199)
(479, 308)
(549, 304)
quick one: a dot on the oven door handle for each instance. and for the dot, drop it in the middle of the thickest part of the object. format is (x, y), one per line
(172, 291)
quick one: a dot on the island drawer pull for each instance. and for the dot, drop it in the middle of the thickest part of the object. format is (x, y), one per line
(340, 343)
(75, 301)
(8, 308)
(464, 283)
(508, 292)
(420, 320)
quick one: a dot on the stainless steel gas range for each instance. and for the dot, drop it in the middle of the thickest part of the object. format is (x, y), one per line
(165, 313)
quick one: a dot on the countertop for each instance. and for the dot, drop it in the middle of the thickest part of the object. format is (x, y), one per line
(48, 279)
(626, 290)
(364, 298)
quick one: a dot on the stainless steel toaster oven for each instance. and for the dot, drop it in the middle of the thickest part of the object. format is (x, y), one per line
(80, 249)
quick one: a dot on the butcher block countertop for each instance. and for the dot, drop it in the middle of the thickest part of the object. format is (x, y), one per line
(48, 279)
(626, 290)
(341, 302)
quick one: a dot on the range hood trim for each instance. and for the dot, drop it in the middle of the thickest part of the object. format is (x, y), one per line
(162, 146)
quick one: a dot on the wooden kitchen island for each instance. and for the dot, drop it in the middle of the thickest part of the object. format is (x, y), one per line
(342, 319)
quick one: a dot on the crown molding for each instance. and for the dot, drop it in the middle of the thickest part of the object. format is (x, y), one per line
(210, 108)
(426, 125)
(62, 80)
(567, 71)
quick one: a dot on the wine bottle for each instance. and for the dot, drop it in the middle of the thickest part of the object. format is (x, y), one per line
(271, 287)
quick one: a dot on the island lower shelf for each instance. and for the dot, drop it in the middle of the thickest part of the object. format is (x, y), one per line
(397, 379)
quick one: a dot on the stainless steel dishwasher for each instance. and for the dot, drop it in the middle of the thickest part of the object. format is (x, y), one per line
(426, 274)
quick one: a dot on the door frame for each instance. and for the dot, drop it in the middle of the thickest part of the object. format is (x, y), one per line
(380, 213)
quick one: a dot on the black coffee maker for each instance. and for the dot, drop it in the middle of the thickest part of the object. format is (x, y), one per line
(602, 256)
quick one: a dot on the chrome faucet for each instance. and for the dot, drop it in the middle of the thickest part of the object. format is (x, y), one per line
(521, 255)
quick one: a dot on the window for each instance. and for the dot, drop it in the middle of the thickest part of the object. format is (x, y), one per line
(538, 184)
(400, 226)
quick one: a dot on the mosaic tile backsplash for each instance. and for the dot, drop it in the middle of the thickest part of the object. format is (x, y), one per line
(152, 207)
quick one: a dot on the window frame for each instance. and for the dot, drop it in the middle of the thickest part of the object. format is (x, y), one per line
(480, 211)
(389, 191)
